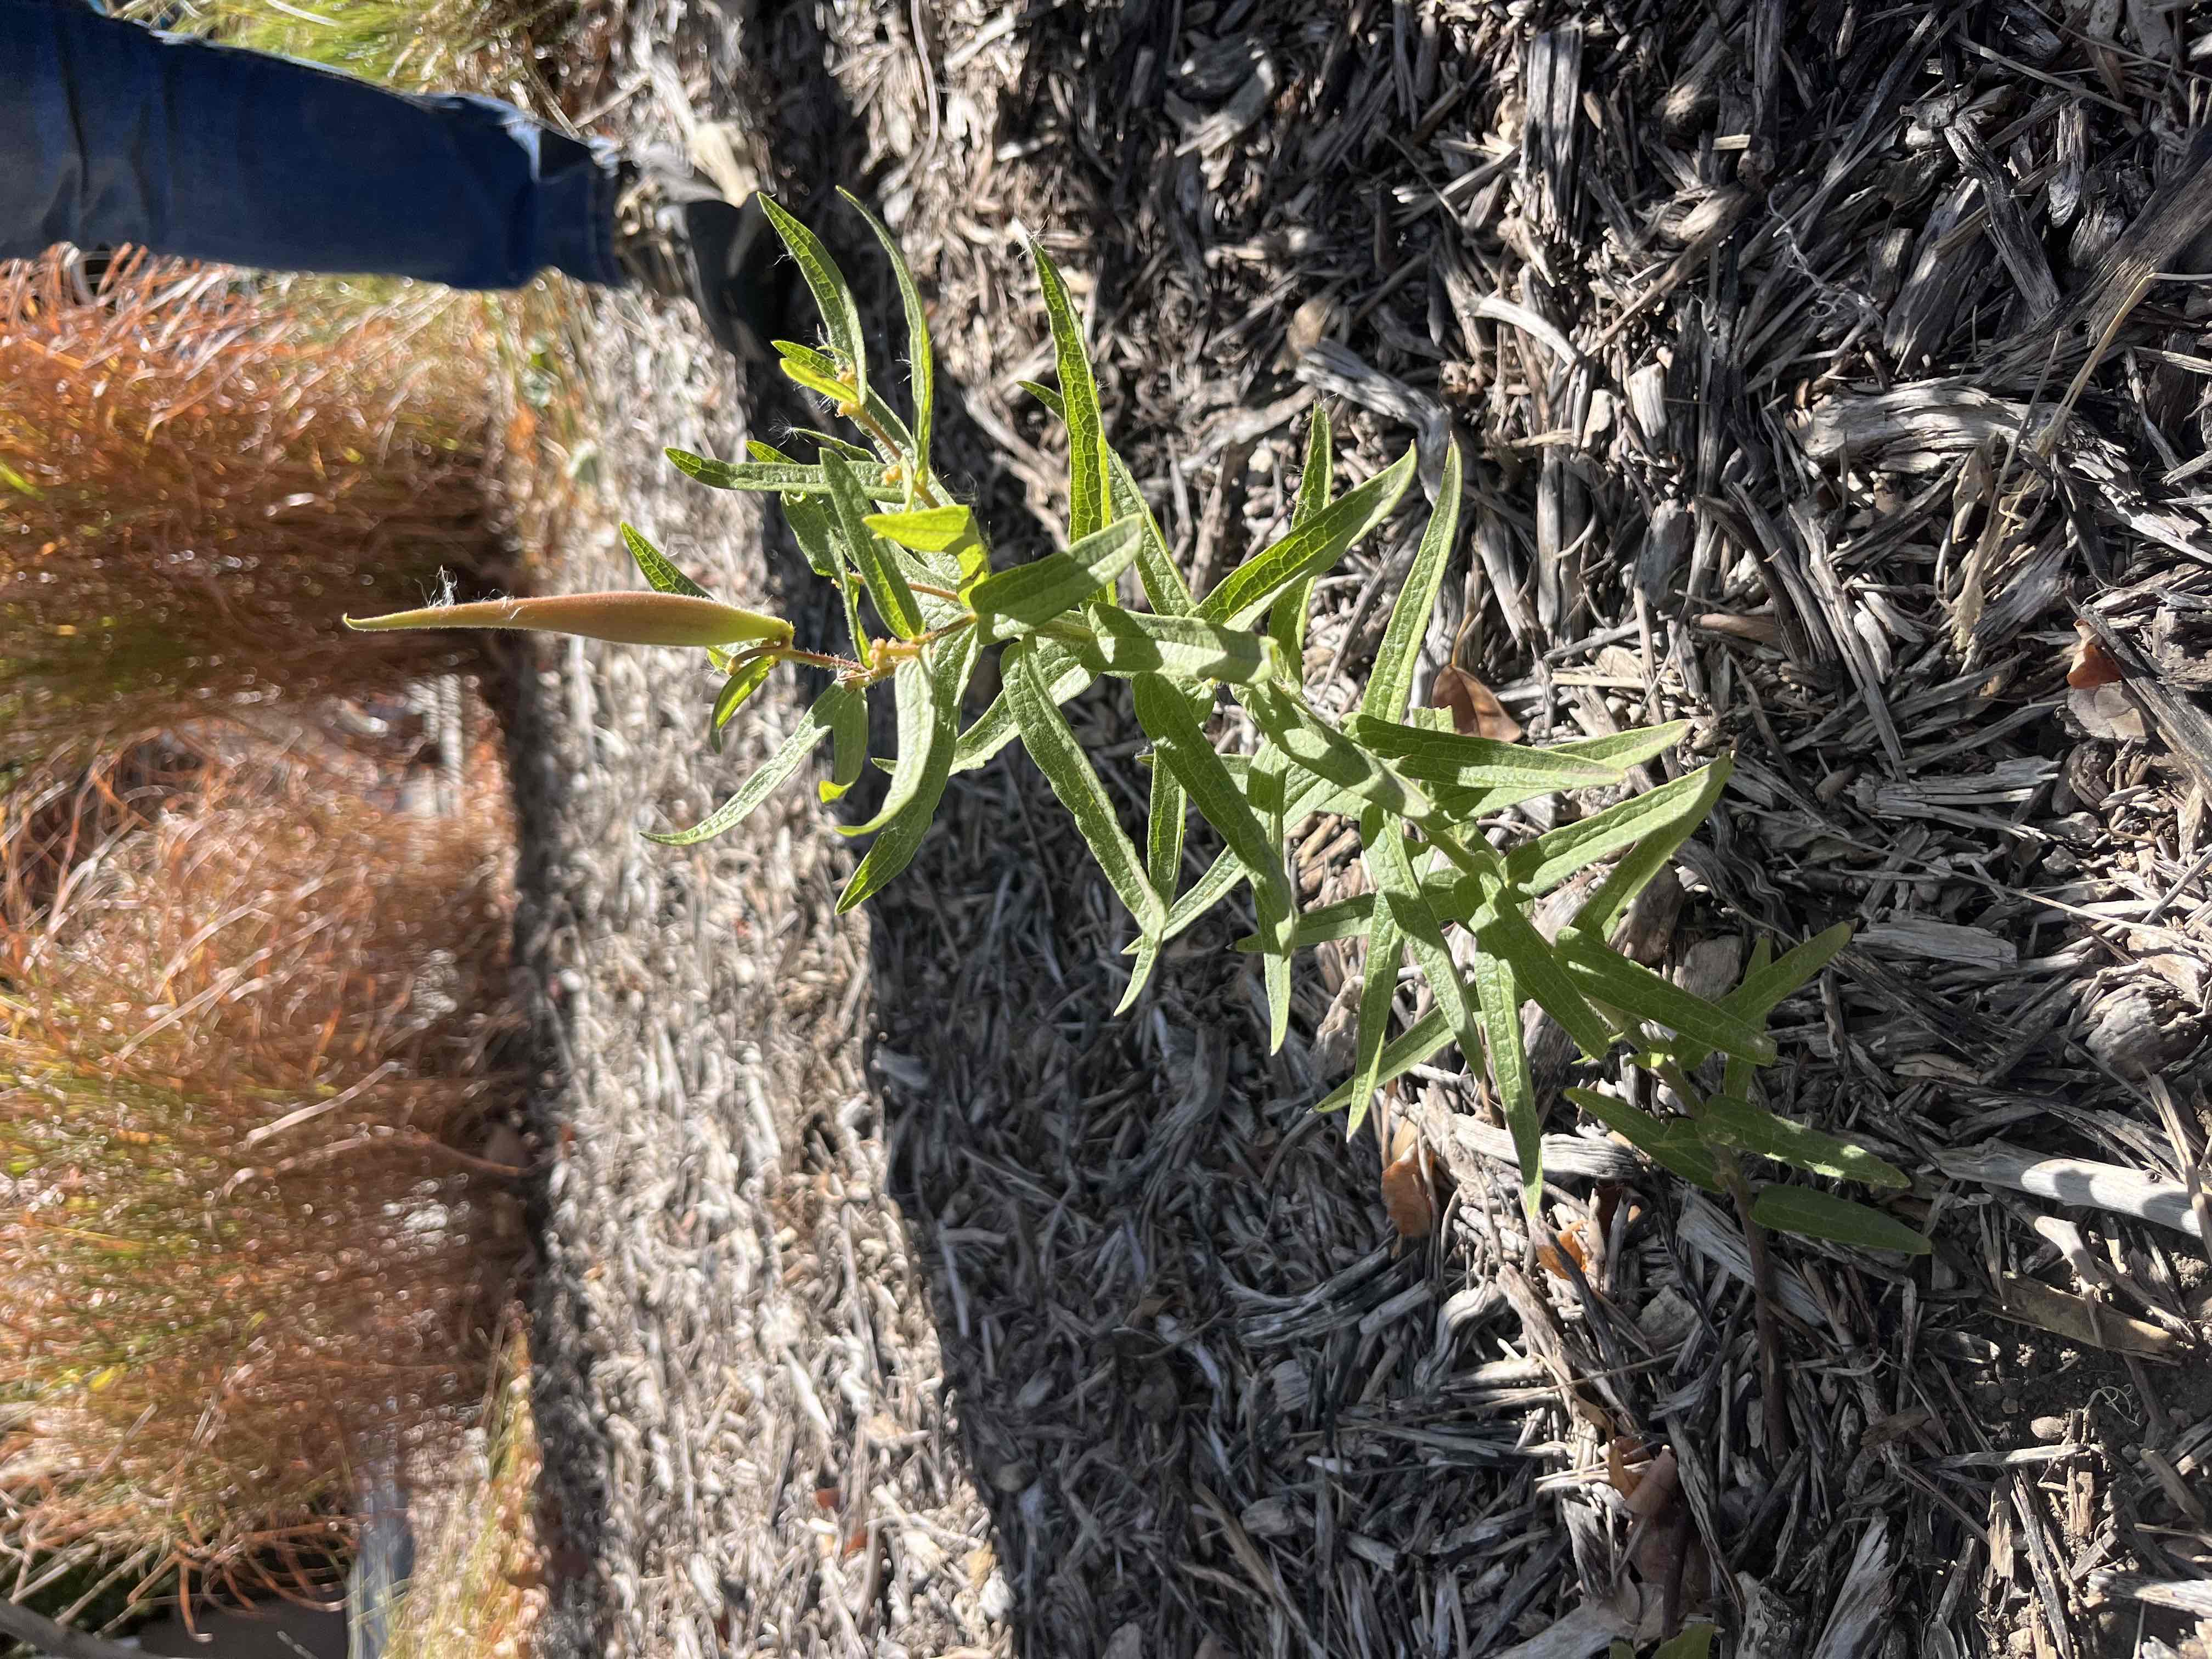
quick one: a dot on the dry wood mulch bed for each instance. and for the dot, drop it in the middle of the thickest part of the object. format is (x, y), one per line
(1820, 387)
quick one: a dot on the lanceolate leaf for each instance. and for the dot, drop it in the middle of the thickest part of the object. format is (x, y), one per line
(1163, 834)
(994, 727)
(1378, 992)
(849, 752)
(1165, 591)
(1164, 711)
(1129, 642)
(818, 723)
(928, 529)
(1034, 593)
(1634, 873)
(1286, 621)
(1326, 752)
(891, 442)
(1768, 983)
(1822, 1215)
(1549, 860)
(1465, 762)
(1069, 771)
(1427, 1037)
(1391, 681)
(780, 477)
(1078, 391)
(1757, 1130)
(914, 690)
(625, 618)
(812, 523)
(839, 315)
(920, 364)
(1500, 996)
(1401, 893)
(1308, 551)
(798, 369)
(1605, 975)
(894, 849)
(740, 686)
(660, 575)
(1673, 1144)
(887, 583)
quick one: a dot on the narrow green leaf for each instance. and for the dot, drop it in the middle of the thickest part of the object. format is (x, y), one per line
(1045, 395)
(1131, 642)
(928, 529)
(849, 751)
(1767, 984)
(1307, 550)
(813, 525)
(1345, 919)
(831, 388)
(1695, 1641)
(901, 839)
(887, 583)
(1545, 862)
(840, 316)
(1606, 907)
(1466, 806)
(859, 454)
(1324, 750)
(1605, 975)
(1822, 1215)
(1221, 879)
(1391, 680)
(1165, 591)
(748, 679)
(892, 444)
(1163, 834)
(1755, 1129)
(1400, 889)
(1378, 992)
(994, 727)
(1673, 1144)
(1060, 757)
(1164, 711)
(920, 361)
(1503, 931)
(1034, 593)
(1626, 748)
(660, 575)
(1499, 995)
(781, 478)
(1465, 762)
(1427, 1037)
(664, 578)
(1086, 433)
(816, 724)
(914, 692)
(1286, 621)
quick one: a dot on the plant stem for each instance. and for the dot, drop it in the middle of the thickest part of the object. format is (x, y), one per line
(873, 427)
(1730, 1169)
(816, 659)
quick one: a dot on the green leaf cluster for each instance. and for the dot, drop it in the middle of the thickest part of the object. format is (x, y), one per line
(923, 597)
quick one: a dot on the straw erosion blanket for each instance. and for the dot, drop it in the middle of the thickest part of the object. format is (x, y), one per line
(1819, 386)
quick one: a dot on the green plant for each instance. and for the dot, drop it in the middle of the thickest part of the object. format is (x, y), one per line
(876, 522)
